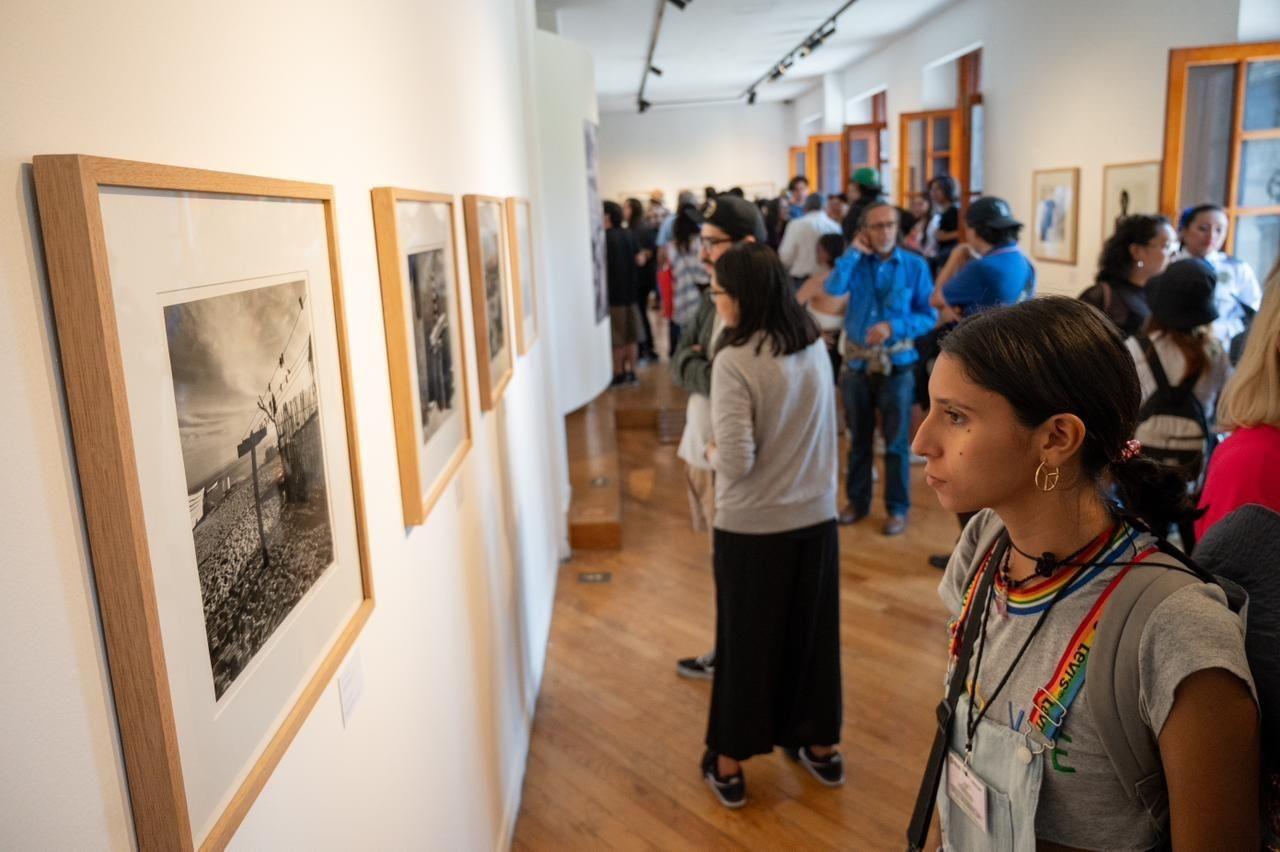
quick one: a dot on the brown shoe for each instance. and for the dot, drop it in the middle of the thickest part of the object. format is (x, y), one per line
(896, 525)
(849, 515)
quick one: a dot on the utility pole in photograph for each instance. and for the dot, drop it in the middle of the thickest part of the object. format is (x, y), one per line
(249, 447)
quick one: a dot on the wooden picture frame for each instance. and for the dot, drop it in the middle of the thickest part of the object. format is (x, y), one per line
(77, 195)
(490, 296)
(423, 479)
(1129, 189)
(524, 276)
(1055, 215)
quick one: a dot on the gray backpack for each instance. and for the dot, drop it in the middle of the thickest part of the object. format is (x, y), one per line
(1240, 553)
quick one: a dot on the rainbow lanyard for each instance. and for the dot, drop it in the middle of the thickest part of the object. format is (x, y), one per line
(1037, 597)
(1050, 702)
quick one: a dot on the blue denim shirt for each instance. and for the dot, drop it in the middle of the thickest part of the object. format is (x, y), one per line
(895, 291)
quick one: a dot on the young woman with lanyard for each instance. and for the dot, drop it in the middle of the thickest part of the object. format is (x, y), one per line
(1037, 427)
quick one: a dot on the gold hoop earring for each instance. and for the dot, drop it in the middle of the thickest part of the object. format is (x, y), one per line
(1047, 480)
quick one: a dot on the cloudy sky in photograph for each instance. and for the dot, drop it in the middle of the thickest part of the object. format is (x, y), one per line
(223, 351)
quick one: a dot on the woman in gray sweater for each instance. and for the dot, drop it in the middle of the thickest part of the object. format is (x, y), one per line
(777, 565)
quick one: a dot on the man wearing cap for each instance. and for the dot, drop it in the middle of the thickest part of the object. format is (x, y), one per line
(799, 248)
(727, 221)
(990, 270)
(886, 290)
(864, 190)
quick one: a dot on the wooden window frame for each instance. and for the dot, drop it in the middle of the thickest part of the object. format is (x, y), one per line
(793, 167)
(812, 161)
(959, 165)
(1181, 61)
(877, 161)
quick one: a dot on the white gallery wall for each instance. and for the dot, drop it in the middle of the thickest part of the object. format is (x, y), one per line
(1064, 84)
(690, 148)
(423, 94)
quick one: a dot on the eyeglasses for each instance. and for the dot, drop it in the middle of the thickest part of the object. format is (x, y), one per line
(712, 242)
(715, 294)
(881, 226)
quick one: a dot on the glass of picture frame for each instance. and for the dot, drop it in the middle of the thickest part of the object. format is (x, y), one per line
(490, 296)
(201, 326)
(523, 284)
(1129, 189)
(422, 309)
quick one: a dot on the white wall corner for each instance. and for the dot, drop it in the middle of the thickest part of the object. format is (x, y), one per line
(1259, 20)
(832, 102)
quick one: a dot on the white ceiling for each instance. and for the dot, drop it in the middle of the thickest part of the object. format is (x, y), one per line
(716, 48)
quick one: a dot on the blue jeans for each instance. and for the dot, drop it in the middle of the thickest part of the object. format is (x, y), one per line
(892, 396)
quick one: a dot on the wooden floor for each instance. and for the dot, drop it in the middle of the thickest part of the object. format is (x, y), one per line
(618, 735)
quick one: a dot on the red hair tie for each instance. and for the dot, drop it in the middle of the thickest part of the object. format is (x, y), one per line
(1131, 449)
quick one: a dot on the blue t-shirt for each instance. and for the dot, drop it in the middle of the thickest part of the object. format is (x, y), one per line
(1003, 276)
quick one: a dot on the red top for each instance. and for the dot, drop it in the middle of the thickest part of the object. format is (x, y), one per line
(1244, 469)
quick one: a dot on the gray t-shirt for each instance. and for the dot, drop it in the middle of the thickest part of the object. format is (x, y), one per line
(1082, 803)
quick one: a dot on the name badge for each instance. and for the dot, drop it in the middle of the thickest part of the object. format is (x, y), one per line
(967, 791)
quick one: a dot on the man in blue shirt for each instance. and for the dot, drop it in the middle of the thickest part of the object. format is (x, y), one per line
(887, 292)
(989, 271)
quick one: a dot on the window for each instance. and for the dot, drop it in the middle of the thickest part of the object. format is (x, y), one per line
(796, 164)
(824, 161)
(947, 141)
(867, 145)
(1222, 143)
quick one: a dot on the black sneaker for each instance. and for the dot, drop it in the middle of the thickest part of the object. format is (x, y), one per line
(829, 770)
(731, 791)
(618, 380)
(698, 668)
(629, 379)
(940, 561)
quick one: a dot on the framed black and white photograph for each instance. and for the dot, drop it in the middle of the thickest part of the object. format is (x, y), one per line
(422, 310)
(1127, 190)
(201, 324)
(595, 213)
(490, 296)
(1055, 214)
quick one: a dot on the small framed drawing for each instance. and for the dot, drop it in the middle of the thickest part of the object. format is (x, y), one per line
(1129, 189)
(422, 309)
(200, 319)
(1055, 214)
(520, 238)
(486, 250)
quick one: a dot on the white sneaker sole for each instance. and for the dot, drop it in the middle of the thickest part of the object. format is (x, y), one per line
(733, 806)
(803, 761)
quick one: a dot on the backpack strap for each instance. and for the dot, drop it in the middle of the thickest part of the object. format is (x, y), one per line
(1153, 361)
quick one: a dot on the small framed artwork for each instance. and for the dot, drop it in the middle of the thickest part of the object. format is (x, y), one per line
(422, 310)
(200, 320)
(486, 249)
(1056, 214)
(1127, 190)
(520, 238)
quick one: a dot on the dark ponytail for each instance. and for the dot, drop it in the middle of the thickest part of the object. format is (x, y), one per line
(1055, 355)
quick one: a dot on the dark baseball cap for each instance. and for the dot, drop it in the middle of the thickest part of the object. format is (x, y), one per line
(991, 212)
(1181, 297)
(737, 217)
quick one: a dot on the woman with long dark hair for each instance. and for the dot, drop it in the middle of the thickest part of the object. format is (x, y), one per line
(690, 275)
(1033, 411)
(646, 238)
(776, 550)
(1138, 251)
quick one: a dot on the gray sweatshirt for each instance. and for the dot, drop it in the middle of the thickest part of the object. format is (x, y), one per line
(774, 423)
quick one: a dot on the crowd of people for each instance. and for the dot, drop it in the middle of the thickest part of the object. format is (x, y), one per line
(1073, 438)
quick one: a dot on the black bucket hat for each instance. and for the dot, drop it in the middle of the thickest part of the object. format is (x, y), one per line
(736, 216)
(1181, 297)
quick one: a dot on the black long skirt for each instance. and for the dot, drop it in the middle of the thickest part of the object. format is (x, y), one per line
(777, 670)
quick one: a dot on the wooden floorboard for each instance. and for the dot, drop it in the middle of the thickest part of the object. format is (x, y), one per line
(613, 762)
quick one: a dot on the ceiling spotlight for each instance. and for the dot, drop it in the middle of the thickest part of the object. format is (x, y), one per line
(751, 97)
(777, 74)
(643, 104)
(680, 4)
(656, 70)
